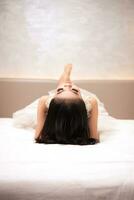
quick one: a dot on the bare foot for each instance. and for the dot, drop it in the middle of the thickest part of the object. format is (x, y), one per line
(68, 68)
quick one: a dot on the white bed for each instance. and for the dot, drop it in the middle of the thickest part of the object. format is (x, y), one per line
(30, 171)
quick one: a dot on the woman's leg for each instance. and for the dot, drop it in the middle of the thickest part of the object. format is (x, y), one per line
(65, 77)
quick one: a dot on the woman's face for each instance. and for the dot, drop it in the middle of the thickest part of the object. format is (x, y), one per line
(68, 90)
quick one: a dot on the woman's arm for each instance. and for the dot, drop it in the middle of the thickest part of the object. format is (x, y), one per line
(93, 120)
(41, 115)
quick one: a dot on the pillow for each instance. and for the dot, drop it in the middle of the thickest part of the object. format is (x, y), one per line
(27, 116)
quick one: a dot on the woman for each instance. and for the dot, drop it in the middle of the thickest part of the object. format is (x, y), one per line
(64, 118)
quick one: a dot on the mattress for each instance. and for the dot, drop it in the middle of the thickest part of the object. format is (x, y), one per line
(52, 171)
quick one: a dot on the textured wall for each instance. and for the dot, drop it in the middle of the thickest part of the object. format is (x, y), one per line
(38, 36)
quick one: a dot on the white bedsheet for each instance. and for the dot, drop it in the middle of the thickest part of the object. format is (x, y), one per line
(30, 171)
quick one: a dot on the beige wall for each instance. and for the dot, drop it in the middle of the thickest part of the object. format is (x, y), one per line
(117, 95)
(37, 37)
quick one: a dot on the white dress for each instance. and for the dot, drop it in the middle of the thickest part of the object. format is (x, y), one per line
(86, 96)
(27, 116)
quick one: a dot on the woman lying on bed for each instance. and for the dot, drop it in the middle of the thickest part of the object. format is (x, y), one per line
(65, 117)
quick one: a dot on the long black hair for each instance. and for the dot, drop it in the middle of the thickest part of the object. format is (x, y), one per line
(66, 123)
